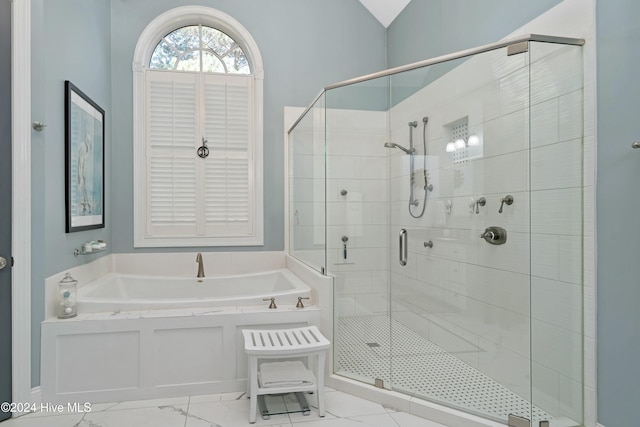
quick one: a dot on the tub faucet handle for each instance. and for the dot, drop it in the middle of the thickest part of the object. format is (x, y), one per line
(273, 302)
(300, 304)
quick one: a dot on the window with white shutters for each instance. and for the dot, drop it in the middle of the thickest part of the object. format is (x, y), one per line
(198, 91)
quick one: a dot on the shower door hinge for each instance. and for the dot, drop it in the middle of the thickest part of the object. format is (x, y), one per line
(517, 48)
(516, 421)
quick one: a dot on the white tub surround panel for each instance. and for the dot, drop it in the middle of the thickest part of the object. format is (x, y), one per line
(107, 357)
(322, 290)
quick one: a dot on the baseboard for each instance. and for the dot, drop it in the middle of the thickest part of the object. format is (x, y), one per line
(35, 399)
(36, 395)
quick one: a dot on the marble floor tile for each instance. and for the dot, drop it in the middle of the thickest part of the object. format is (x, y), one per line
(378, 420)
(218, 397)
(163, 416)
(228, 410)
(69, 420)
(345, 405)
(233, 396)
(342, 422)
(150, 403)
(233, 413)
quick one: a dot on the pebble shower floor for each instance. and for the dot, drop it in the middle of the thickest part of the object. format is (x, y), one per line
(422, 368)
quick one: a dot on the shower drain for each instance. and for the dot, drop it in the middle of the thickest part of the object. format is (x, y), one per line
(419, 367)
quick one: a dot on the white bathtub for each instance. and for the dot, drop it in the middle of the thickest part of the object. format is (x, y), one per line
(124, 292)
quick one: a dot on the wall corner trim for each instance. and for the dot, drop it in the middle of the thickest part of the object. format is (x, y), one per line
(21, 200)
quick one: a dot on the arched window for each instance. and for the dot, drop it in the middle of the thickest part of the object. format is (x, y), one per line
(197, 132)
(199, 48)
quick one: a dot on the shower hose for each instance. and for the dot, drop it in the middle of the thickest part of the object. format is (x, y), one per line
(425, 120)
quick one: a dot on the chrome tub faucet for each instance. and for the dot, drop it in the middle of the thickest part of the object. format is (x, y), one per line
(200, 266)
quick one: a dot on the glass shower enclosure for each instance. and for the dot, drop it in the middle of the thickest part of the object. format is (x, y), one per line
(445, 199)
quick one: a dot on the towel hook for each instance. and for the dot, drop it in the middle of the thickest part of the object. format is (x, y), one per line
(635, 144)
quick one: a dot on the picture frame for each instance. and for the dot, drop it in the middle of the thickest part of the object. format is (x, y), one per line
(84, 161)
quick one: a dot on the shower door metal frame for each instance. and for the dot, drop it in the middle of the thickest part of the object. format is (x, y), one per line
(440, 59)
(459, 55)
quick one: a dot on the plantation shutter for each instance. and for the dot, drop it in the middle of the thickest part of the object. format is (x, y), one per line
(172, 120)
(228, 124)
(188, 196)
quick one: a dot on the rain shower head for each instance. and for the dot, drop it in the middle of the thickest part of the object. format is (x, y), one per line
(394, 145)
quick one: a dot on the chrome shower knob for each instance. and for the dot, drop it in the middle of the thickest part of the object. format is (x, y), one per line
(508, 200)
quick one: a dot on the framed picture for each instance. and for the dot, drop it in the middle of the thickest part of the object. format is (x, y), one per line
(84, 161)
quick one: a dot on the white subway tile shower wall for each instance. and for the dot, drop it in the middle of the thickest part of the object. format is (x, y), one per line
(463, 287)
(356, 162)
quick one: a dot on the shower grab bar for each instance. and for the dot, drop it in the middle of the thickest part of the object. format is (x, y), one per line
(403, 247)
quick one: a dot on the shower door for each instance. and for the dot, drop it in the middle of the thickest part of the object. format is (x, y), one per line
(460, 304)
(358, 227)
(486, 306)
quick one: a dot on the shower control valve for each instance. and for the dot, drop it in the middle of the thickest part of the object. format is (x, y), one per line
(476, 203)
(494, 235)
(508, 200)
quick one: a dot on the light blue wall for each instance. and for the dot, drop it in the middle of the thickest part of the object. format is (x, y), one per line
(618, 205)
(305, 44)
(426, 29)
(71, 41)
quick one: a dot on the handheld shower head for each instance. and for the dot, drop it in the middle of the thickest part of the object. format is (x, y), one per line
(394, 145)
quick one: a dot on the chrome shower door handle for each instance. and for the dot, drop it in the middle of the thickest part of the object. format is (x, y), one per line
(403, 247)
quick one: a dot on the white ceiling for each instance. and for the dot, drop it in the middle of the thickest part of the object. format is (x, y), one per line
(385, 11)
